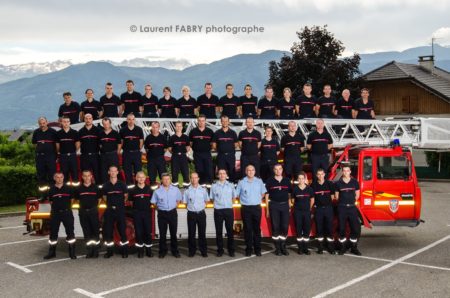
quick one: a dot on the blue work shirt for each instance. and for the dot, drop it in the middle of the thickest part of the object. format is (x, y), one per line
(195, 198)
(166, 200)
(223, 194)
(250, 192)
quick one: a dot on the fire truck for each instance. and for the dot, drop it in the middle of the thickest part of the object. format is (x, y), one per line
(379, 153)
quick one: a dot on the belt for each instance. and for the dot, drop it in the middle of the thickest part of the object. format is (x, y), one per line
(90, 153)
(68, 154)
(280, 203)
(113, 207)
(41, 153)
(323, 206)
(180, 153)
(167, 211)
(197, 212)
(62, 210)
(130, 151)
(110, 152)
(89, 209)
(226, 153)
(346, 205)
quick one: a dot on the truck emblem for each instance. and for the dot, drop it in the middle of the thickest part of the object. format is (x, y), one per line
(393, 205)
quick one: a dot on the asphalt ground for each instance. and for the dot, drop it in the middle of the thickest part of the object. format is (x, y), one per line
(396, 262)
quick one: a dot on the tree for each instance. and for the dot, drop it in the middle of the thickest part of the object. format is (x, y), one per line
(315, 59)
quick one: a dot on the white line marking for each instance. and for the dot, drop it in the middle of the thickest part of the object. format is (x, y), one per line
(52, 261)
(101, 294)
(23, 241)
(17, 266)
(380, 269)
(16, 227)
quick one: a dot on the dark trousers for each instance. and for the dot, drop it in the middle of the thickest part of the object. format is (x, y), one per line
(319, 161)
(156, 165)
(89, 224)
(227, 161)
(131, 164)
(349, 214)
(143, 226)
(293, 165)
(107, 159)
(302, 222)
(267, 169)
(66, 218)
(168, 219)
(111, 217)
(69, 166)
(204, 166)
(45, 168)
(279, 218)
(220, 216)
(90, 162)
(250, 160)
(194, 220)
(324, 222)
(251, 217)
(180, 163)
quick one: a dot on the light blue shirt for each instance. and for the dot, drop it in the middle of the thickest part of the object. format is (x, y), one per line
(195, 198)
(166, 200)
(223, 194)
(250, 192)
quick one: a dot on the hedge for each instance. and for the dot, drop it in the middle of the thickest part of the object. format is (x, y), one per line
(17, 183)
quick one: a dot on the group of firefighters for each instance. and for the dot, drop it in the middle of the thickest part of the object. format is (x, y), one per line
(281, 186)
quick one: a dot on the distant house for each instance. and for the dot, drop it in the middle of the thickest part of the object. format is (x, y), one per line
(400, 88)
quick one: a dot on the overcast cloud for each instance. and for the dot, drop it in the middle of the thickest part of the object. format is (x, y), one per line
(39, 31)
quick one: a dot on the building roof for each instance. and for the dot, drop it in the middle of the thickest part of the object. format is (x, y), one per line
(436, 82)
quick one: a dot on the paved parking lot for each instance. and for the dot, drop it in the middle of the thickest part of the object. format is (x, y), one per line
(396, 262)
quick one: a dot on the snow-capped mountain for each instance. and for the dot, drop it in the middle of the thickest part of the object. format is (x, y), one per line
(178, 64)
(18, 71)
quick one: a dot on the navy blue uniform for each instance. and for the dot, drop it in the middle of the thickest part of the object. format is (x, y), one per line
(115, 212)
(324, 212)
(89, 139)
(110, 106)
(179, 161)
(72, 111)
(268, 108)
(208, 105)
(344, 108)
(326, 106)
(155, 147)
(249, 149)
(142, 215)
(61, 212)
(68, 154)
(131, 155)
(364, 109)
(347, 211)
(287, 109)
(108, 152)
(88, 197)
(302, 211)
(249, 105)
(306, 106)
(293, 163)
(131, 102)
(201, 145)
(279, 206)
(229, 106)
(45, 142)
(150, 105)
(269, 157)
(186, 107)
(167, 107)
(226, 152)
(91, 107)
(319, 150)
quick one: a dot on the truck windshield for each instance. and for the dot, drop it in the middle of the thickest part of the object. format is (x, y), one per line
(393, 167)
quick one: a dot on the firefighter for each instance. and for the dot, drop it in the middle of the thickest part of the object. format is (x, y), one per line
(110, 102)
(347, 193)
(179, 145)
(132, 141)
(323, 198)
(250, 142)
(89, 196)
(225, 141)
(251, 191)
(319, 143)
(141, 196)
(186, 104)
(307, 103)
(267, 105)
(196, 197)
(67, 146)
(90, 106)
(89, 145)
(69, 108)
(167, 104)
(292, 145)
(61, 197)
(223, 193)
(207, 103)
(303, 200)
(44, 139)
(200, 138)
(277, 197)
(166, 198)
(115, 192)
(269, 150)
(248, 103)
(155, 145)
(326, 104)
(110, 146)
(148, 106)
(229, 103)
(287, 107)
(129, 100)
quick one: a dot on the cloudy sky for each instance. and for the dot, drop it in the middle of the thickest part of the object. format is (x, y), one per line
(80, 31)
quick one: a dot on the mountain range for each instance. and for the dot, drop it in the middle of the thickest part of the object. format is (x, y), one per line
(36, 89)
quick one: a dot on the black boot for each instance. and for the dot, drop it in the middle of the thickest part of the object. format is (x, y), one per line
(283, 248)
(300, 247)
(320, 247)
(51, 252)
(140, 252)
(305, 248)
(343, 247)
(277, 247)
(330, 246)
(124, 251)
(72, 251)
(354, 250)
(148, 252)
(109, 252)
(95, 251)
(88, 251)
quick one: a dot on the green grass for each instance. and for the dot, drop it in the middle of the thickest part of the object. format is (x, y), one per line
(12, 208)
